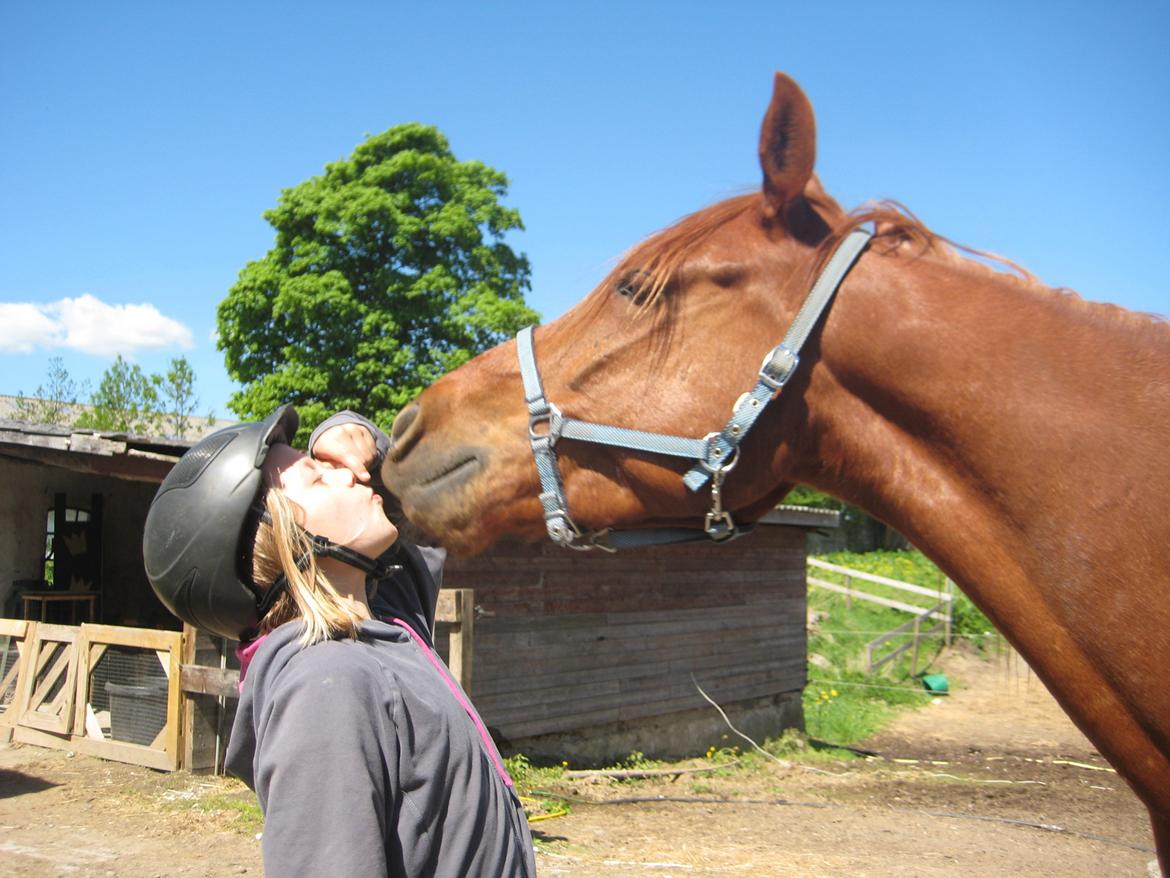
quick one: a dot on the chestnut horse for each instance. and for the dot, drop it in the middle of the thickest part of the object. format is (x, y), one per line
(1017, 435)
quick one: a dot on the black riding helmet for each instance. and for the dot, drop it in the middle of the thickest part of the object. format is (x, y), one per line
(197, 545)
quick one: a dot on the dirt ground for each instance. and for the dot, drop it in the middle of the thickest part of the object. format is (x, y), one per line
(992, 781)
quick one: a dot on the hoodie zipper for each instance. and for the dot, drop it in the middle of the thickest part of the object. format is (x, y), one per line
(438, 665)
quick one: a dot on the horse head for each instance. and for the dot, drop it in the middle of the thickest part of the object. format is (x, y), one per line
(665, 344)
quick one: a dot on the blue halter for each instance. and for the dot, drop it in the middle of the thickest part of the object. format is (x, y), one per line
(715, 455)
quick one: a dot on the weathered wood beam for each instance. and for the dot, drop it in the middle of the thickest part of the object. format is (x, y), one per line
(201, 680)
(141, 467)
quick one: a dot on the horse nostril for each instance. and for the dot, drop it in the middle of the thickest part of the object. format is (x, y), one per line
(405, 430)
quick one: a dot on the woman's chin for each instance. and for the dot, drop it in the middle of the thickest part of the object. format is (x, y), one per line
(389, 540)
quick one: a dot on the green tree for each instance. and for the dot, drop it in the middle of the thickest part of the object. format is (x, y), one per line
(388, 271)
(126, 401)
(55, 402)
(178, 393)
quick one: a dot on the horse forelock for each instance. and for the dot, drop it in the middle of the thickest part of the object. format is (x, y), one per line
(654, 261)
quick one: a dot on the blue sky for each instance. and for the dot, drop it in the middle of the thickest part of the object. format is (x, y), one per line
(140, 143)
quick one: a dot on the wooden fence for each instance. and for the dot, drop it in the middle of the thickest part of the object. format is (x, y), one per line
(146, 696)
(908, 635)
(70, 688)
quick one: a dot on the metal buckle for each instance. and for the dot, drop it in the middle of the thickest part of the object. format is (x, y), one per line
(712, 522)
(715, 451)
(554, 418)
(778, 366)
(718, 516)
(561, 528)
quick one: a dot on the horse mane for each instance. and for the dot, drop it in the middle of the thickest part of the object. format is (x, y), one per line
(898, 232)
(650, 265)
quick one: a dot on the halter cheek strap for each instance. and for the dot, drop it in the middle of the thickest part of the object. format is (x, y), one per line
(715, 455)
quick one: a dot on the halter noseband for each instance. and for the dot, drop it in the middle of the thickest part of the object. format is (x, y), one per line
(715, 455)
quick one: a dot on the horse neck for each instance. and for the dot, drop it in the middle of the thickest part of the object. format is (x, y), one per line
(996, 424)
(1017, 437)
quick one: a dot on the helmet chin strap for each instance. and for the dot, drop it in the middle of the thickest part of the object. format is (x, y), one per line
(323, 547)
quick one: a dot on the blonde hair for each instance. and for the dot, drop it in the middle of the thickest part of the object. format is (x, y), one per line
(284, 547)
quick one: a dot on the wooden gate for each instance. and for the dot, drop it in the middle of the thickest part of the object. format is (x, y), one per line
(59, 704)
(46, 699)
(14, 648)
(58, 688)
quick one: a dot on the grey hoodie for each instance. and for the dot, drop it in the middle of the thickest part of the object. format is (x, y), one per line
(366, 765)
(366, 755)
(368, 760)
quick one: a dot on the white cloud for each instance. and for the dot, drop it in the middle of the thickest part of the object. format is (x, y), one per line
(24, 327)
(89, 325)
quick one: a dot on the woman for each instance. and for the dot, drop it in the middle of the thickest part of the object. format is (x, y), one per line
(365, 754)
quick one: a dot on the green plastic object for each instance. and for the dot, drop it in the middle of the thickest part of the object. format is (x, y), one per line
(936, 683)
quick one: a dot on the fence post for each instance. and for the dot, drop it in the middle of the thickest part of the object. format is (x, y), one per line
(914, 655)
(950, 589)
(461, 645)
(849, 593)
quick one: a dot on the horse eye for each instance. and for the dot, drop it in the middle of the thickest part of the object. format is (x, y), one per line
(634, 286)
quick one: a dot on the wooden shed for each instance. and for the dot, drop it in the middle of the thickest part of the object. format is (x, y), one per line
(79, 498)
(596, 655)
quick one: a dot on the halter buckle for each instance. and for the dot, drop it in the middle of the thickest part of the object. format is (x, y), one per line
(718, 523)
(719, 527)
(778, 366)
(714, 450)
(552, 415)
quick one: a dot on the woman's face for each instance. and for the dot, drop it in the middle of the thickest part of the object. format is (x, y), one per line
(334, 503)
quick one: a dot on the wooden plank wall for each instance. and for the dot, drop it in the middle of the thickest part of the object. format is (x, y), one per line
(571, 639)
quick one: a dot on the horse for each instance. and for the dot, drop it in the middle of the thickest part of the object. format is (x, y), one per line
(1016, 434)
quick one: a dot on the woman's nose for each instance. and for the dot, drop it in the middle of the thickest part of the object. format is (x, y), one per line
(341, 476)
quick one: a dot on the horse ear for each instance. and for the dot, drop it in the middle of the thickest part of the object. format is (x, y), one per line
(787, 145)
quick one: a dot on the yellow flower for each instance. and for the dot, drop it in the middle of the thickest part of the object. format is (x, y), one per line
(833, 692)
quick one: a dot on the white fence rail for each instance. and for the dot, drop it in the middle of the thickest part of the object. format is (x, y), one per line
(910, 632)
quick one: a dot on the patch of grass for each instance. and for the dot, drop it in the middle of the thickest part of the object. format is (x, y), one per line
(529, 779)
(852, 716)
(528, 775)
(636, 761)
(249, 812)
(241, 808)
(843, 702)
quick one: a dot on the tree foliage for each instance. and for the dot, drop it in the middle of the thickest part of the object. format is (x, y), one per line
(126, 401)
(388, 271)
(55, 402)
(177, 389)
